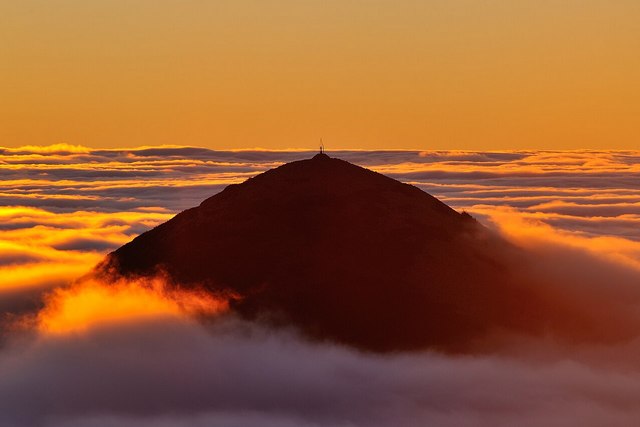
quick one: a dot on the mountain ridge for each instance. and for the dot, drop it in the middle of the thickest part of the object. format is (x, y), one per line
(343, 253)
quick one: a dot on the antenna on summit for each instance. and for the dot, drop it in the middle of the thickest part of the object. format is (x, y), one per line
(321, 147)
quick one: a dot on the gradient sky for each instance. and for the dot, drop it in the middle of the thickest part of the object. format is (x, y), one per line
(439, 74)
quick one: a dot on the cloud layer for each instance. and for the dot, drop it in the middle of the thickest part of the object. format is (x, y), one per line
(62, 208)
(171, 371)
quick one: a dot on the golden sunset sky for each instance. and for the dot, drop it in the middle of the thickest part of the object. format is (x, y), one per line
(437, 74)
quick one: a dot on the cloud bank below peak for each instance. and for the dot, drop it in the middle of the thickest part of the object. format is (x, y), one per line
(68, 206)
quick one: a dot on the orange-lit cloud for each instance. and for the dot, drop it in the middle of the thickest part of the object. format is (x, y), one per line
(532, 232)
(60, 148)
(39, 248)
(91, 303)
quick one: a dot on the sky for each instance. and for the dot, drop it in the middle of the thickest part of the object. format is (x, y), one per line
(277, 74)
(76, 351)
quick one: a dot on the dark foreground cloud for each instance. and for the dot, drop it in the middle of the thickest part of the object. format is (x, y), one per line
(172, 372)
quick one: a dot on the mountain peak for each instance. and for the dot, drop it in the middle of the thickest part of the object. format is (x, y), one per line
(321, 156)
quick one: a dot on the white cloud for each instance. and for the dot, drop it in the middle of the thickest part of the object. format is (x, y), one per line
(175, 372)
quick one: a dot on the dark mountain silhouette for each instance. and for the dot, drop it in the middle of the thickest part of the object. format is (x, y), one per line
(346, 254)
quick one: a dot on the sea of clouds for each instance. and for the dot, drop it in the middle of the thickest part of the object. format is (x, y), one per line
(62, 208)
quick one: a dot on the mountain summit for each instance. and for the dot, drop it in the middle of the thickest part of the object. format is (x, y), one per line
(342, 253)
